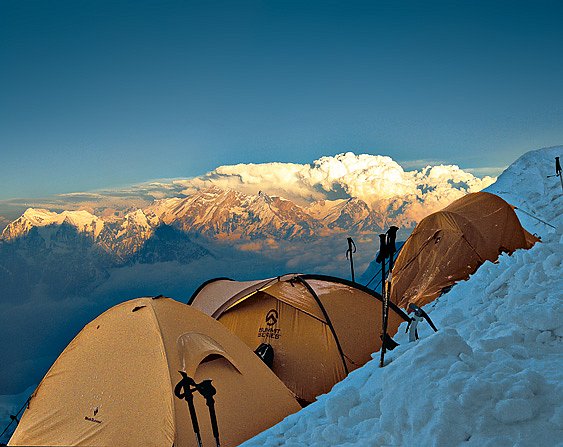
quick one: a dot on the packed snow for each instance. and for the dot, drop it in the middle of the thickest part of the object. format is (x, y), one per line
(493, 373)
(538, 198)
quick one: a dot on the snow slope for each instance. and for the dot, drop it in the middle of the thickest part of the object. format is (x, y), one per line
(491, 376)
(524, 184)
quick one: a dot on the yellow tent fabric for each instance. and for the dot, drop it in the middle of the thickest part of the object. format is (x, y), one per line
(113, 385)
(449, 245)
(320, 327)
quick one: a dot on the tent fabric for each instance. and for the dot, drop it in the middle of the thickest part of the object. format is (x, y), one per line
(219, 287)
(320, 327)
(113, 384)
(449, 245)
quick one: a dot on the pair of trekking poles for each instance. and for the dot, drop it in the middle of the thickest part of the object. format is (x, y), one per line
(185, 389)
(387, 249)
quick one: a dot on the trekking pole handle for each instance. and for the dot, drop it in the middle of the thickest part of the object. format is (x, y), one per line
(351, 247)
(382, 249)
(391, 238)
(207, 390)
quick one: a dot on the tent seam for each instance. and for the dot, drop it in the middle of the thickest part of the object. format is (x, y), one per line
(328, 322)
(244, 294)
(167, 364)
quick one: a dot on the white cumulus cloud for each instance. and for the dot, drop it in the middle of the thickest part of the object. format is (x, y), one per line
(378, 180)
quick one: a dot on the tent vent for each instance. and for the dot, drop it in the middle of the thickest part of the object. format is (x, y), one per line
(136, 308)
(266, 353)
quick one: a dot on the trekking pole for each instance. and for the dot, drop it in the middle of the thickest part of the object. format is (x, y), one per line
(391, 249)
(557, 171)
(186, 385)
(388, 342)
(381, 259)
(350, 251)
(208, 391)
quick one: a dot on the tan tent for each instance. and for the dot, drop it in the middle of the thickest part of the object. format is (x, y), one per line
(448, 246)
(320, 327)
(113, 385)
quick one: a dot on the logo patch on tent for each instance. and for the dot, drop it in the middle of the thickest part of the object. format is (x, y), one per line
(92, 419)
(269, 332)
(272, 317)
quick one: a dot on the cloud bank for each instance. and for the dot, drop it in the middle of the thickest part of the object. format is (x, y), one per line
(378, 180)
(399, 194)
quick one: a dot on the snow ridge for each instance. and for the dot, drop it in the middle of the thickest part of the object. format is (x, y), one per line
(525, 184)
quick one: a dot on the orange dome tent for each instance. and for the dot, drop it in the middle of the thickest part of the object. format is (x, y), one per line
(320, 327)
(449, 245)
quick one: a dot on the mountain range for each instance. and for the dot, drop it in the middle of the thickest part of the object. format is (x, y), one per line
(281, 201)
(215, 213)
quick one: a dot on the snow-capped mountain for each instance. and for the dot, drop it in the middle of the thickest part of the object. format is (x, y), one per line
(126, 236)
(220, 214)
(228, 213)
(83, 221)
(352, 215)
(167, 244)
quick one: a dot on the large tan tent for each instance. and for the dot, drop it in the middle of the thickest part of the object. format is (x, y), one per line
(449, 245)
(320, 327)
(113, 385)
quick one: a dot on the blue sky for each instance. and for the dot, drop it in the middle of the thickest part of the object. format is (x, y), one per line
(106, 93)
